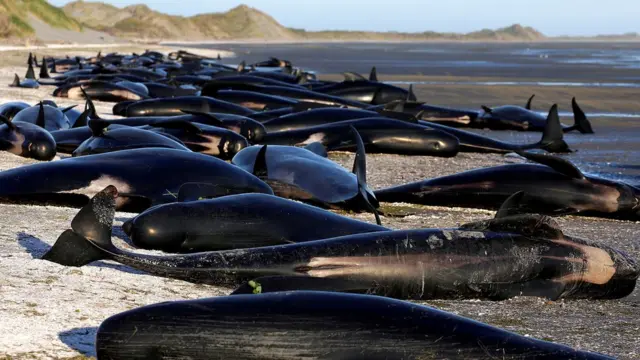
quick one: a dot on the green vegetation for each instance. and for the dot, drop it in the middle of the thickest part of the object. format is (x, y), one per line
(14, 17)
(243, 22)
(51, 15)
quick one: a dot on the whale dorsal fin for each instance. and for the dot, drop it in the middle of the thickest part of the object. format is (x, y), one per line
(16, 80)
(40, 119)
(30, 73)
(7, 122)
(373, 75)
(89, 105)
(97, 126)
(260, 164)
(44, 70)
(30, 59)
(411, 96)
(555, 162)
(581, 123)
(487, 109)
(360, 170)
(528, 106)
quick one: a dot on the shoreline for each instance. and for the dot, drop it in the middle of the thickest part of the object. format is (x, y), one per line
(62, 325)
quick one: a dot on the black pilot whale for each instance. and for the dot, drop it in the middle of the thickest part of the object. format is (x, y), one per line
(221, 224)
(146, 177)
(312, 325)
(511, 255)
(555, 186)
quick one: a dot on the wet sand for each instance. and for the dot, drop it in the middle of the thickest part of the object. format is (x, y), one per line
(51, 311)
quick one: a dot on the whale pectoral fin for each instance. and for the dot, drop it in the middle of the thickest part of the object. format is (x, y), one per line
(72, 249)
(556, 163)
(511, 206)
(318, 149)
(397, 106)
(527, 224)
(269, 284)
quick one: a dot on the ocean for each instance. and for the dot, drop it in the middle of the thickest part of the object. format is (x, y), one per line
(612, 152)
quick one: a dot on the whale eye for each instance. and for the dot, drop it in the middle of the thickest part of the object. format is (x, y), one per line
(436, 145)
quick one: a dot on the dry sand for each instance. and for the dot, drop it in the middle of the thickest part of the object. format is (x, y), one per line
(51, 311)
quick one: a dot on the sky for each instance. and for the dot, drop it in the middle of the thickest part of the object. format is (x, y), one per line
(551, 17)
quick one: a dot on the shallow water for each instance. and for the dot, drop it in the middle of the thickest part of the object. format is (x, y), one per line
(612, 152)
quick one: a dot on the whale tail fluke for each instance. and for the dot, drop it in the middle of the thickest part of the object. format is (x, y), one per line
(72, 249)
(89, 238)
(552, 137)
(582, 124)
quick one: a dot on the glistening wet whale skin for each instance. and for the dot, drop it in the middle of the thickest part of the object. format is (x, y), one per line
(105, 140)
(552, 138)
(221, 224)
(146, 177)
(247, 127)
(517, 118)
(209, 140)
(300, 94)
(370, 92)
(99, 90)
(26, 83)
(515, 255)
(559, 188)
(311, 325)
(54, 118)
(175, 106)
(380, 135)
(26, 140)
(10, 109)
(301, 174)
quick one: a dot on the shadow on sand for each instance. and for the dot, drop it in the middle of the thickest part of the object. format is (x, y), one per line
(37, 248)
(81, 340)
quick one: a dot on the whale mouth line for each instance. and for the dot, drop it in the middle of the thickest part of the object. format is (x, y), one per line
(308, 268)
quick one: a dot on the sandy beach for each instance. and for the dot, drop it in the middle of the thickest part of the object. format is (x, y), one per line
(52, 312)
